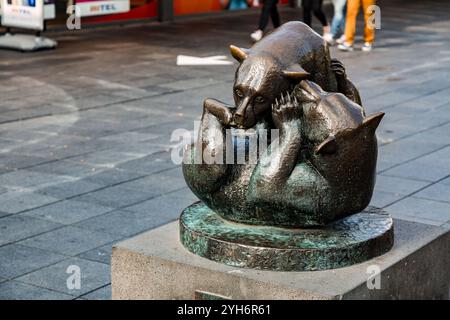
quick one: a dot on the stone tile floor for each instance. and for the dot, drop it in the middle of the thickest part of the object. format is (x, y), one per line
(85, 135)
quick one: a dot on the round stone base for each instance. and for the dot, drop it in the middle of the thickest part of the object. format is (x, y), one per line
(345, 242)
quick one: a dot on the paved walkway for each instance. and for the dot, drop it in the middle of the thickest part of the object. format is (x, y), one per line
(84, 135)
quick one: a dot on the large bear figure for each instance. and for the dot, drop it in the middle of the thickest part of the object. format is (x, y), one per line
(322, 165)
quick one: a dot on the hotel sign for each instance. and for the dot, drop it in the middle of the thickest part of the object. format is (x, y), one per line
(87, 8)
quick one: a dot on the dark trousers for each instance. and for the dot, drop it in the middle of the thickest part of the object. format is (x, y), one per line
(314, 6)
(269, 10)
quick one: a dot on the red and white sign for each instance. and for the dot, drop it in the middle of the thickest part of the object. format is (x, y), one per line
(88, 8)
(27, 14)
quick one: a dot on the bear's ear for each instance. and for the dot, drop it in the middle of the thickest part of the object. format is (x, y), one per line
(296, 72)
(329, 146)
(372, 122)
(240, 54)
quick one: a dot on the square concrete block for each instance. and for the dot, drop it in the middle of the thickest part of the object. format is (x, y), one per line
(154, 265)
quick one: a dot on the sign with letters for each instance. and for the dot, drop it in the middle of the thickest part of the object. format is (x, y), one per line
(88, 8)
(49, 9)
(27, 14)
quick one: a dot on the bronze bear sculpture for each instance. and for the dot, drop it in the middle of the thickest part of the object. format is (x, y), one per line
(322, 165)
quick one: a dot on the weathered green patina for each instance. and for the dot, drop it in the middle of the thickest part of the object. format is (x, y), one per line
(299, 205)
(353, 239)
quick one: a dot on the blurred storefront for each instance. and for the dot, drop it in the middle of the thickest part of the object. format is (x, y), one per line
(104, 11)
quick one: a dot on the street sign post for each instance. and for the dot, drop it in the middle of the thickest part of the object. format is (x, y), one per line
(26, 14)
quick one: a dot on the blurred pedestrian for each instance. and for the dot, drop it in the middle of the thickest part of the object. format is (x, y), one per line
(353, 7)
(234, 4)
(315, 6)
(269, 10)
(338, 23)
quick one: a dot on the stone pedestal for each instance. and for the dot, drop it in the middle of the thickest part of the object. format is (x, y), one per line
(353, 239)
(155, 265)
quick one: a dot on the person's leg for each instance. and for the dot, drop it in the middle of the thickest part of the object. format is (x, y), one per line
(369, 31)
(318, 12)
(344, 14)
(307, 8)
(275, 15)
(350, 23)
(265, 13)
(338, 17)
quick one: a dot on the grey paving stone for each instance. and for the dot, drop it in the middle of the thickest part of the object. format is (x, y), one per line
(25, 135)
(3, 190)
(97, 100)
(25, 148)
(69, 189)
(150, 164)
(113, 176)
(13, 161)
(6, 144)
(28, 178)
(117, 196)
(93, 275)
(128, 223)
(437, 192)
(106, 158)
(4, 214)
(148, 147)
(4, 169)
(15, 290)
(17, 260)
(221, 91)
(421, 210)
(407, 149)
(101, 254)
(67, 168)
(68, 211)
(439, 158)
(158, 183)
(419, 170)
(59, 139)
(381, 199)
(69, 240)
(129, 137)
(14, 202)
(99, 294)
(189, 83)
(72, 150)
(398, 185)
(18, 227)
(167, 207)
(439, 134)
(446, 181)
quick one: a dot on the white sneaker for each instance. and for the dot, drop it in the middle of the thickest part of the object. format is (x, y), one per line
(257, 35)
(345, 47)
(367, 47)
(341, 40)
(328, 37)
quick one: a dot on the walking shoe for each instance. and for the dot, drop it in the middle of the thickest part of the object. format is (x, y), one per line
(328, 37)
(257, 35)
(345, 47)
(367, 47)
(341, 40)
